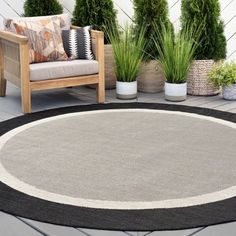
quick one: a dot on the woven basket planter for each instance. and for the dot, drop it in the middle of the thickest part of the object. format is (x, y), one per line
(109, 61)
(150, 78)
(110, 76)
(198, 82)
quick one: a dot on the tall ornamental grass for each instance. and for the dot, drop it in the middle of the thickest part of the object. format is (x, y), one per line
(128, 52)
(176, 53)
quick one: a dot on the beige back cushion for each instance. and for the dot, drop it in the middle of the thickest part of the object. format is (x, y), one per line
(65, 21)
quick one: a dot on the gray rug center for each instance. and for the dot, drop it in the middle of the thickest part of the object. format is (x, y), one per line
(124, 156)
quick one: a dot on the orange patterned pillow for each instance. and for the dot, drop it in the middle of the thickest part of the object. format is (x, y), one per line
(45, 41)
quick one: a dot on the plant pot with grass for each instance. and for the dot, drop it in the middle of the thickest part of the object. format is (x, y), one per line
(100, 14)
(211, 44)
(128, 53)
(175, 56)
(150, 13)
(224, 76)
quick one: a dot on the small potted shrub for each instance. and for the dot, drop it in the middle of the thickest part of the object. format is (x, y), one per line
(42, 8)
(212, 43)
(224, 75)
(175, 56)
(128, 53)
(100, 14)
(151, 14)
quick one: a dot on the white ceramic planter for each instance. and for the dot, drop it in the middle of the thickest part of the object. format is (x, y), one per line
(126, 90)
(175, 92)
(229, 92)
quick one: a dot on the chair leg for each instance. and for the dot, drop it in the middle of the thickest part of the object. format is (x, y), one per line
(26, 100)
(100, 93)
(3, 86)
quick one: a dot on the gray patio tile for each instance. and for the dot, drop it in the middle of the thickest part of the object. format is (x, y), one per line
(200, 100)
(6, 116)
(129, 233)
(53, 230)
(187, 232)
(111, 93)
(143, 233)
(115, 100)
(11, 226)
(94, 232)
(219, 230)
(215, 103)
(227, 107)
(232, 110)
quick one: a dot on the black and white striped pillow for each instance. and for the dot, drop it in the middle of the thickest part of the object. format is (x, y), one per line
(77, 43)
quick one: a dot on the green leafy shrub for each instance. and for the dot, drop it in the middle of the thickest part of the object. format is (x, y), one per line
(99, 13)
(42, 7)
(176, 54)
(212, 43)
(224, 74)
(128, 52)
(151, 14)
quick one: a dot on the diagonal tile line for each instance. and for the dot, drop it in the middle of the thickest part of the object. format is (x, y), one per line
(227, 5)
(197, 231)
(31, 226)
(127, 233)
(148, 233)
(231, 54)
(8, 4)
(231, 35)
(230, 20)
(81, 231)
(67, 9)
(124, 12)
(174, 4)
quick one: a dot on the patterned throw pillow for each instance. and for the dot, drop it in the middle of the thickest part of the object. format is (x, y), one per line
(77, 43)
(45, 41)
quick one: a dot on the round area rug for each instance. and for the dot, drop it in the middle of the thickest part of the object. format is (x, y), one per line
(138, 166)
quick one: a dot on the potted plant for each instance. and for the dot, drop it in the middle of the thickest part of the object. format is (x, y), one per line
(99, 14)
(128, 53)
(175, 56)
(224, 75)
(152, 14)
(42, 8)
(212, 43)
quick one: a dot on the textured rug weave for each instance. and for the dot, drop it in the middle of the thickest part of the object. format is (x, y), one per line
(120, 166)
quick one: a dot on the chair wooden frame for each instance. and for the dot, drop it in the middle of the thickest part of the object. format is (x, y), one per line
(14, 67)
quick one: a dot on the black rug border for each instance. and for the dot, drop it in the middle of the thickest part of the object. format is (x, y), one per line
(20, 204)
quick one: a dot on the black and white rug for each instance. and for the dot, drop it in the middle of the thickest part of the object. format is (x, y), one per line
(137, 166)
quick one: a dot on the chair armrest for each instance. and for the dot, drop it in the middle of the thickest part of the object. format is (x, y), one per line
(14, 38)
(14, 57)
(98, 44)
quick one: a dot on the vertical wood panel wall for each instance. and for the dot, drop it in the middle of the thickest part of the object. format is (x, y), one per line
(14, 8)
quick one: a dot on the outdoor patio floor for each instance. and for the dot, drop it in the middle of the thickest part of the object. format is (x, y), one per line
(10, 107)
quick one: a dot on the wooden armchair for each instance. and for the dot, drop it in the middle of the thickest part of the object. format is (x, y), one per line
(15, 67)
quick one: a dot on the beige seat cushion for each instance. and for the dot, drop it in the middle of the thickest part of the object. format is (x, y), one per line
(62, 69)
